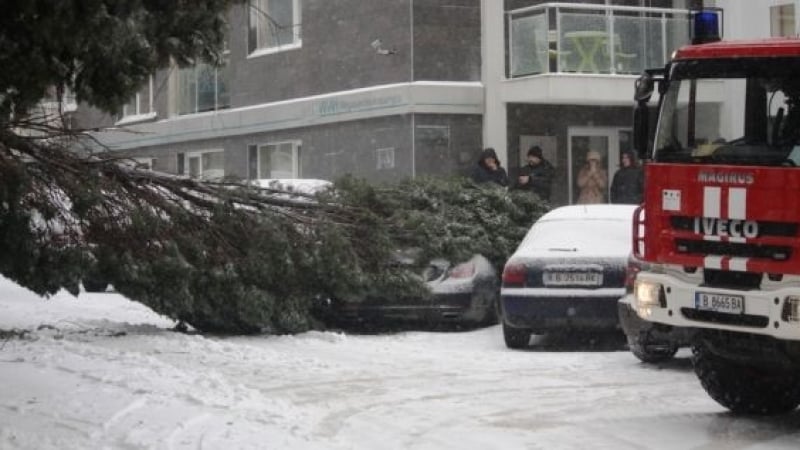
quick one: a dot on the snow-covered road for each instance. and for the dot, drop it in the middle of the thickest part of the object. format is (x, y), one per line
(106, 373)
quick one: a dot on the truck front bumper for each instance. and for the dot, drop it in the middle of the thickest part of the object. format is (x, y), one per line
(764, 312)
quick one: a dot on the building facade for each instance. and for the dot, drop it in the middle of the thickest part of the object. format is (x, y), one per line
(564, 78)
(388, 89)
(384, 89)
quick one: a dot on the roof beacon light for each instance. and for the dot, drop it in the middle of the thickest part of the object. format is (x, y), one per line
(706, 25)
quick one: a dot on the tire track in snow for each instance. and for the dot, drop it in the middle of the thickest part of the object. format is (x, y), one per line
(187, 427)
(122, 413)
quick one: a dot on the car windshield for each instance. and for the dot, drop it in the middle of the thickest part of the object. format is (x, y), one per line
(699, 125)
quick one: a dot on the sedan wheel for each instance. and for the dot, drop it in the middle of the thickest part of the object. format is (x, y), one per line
(516, 337)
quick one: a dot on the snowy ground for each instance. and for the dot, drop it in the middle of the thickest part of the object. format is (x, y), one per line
(105, 373)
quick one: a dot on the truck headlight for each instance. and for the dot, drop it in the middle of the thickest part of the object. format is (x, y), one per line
(648, 294)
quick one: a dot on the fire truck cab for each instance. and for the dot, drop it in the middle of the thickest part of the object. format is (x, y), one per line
(719, 230)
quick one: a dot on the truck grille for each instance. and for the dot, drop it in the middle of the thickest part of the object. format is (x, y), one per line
(731, 279)
(776, 252)
(736, 249)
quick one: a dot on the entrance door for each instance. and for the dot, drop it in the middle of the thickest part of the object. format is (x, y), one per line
(603, 143)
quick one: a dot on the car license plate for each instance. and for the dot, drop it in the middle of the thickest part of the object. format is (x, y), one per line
(573, 279)
(707, 301)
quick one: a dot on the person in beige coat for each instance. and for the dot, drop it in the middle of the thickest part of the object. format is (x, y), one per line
(592, 180)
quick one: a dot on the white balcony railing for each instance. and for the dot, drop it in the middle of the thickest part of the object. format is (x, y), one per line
(599, 39)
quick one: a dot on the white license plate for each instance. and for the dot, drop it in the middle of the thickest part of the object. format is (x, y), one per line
(707, 301)
(573, 279)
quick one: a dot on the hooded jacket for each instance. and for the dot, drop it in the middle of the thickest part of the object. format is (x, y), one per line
(541, 178)
(628, 183)
(483, 174)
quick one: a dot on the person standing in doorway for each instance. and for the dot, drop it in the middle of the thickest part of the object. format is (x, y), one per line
(628, 183)
(537, 175)
(592, 179)
(489, 169)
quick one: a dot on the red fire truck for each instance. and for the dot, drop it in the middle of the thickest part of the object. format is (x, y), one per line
(718, 235)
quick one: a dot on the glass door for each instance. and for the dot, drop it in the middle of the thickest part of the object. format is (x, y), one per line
(593, 157)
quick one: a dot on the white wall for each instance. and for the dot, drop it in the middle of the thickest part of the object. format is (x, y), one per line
(495, 131)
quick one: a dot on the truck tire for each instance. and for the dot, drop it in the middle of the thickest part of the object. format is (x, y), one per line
(516, 338)
(746, 389)
(651, 352)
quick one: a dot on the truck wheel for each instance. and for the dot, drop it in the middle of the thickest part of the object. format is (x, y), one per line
(651, 352)
(516, 337)
(746, 389)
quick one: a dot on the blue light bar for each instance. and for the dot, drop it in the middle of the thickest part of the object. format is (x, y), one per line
(706, 26)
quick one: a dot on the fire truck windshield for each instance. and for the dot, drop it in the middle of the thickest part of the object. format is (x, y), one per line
(734, 111)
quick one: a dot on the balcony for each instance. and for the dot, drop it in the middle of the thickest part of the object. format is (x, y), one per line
(568, 38)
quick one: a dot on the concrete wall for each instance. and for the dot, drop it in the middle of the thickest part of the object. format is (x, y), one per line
(330, 151)
(447, 40)
(335, 55)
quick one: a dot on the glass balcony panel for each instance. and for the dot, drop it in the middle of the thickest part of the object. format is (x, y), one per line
(553, 37)
(187, 91)
(677, 30)
(206, 88)
(529, 45)
(581, 41)
(639, 44)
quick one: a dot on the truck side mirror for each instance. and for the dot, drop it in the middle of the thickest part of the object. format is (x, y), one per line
(643, 90)
(641, 130)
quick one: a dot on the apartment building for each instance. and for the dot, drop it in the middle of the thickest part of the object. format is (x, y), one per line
(384, 89)
(387, 89)
(564, 78)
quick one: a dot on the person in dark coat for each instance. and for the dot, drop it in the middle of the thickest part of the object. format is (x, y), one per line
(537, 175)
(489, 169)
(628, 183)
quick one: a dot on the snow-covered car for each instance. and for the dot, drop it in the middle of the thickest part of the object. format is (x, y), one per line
(649, 341)
(465, 294)
(568, 272)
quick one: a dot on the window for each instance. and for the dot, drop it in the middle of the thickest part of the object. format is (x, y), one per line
(275, 160)
(782, 20)
(205, 165)
(433, 135)
(203, 87)
(142, 103)
(385, 158)
(273, 25)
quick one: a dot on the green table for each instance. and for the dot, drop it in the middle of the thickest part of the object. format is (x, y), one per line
(588, 44)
